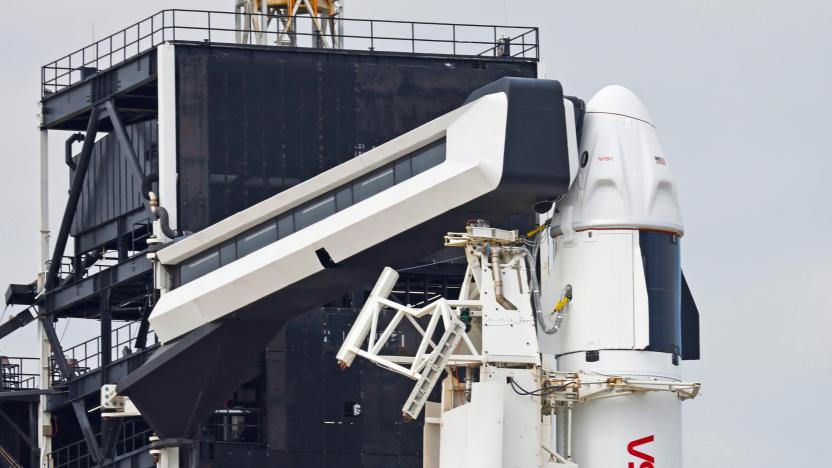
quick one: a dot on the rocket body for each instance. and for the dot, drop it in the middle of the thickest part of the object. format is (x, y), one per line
(615, 239)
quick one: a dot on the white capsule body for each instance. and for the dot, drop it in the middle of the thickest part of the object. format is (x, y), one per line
(614, 239)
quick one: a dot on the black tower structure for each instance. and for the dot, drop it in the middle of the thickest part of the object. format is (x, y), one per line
(215, 126)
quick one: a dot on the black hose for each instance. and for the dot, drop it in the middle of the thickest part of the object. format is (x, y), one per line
(147, 184)
(160, 212)
(75, 137)
(162, 216)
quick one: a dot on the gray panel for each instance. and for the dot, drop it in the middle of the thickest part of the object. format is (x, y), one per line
(403, 170)
(254, 240)
(228, 252)
(201, 266)
(314, 212)
(373, 184)
(429, 157)
(285, 225)
(344, 198)
(112, 189)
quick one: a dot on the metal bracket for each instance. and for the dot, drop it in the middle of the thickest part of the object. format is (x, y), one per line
(114, 405)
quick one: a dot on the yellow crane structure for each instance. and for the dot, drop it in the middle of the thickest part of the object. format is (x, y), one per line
(279, 21)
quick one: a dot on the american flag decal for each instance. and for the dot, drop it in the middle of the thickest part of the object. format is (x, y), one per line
(661, 161)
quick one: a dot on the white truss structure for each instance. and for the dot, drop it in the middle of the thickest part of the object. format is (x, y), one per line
(442, 311)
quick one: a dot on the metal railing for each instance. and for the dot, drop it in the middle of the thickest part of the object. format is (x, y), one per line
(235, 425)
(86, 356)
(19, 373)
(219, 27)
(133, 437)
(74, 455)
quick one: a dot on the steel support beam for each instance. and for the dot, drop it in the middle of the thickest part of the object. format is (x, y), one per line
(144, 325)
(20, 320)
(105, 318)
(72, 202)
(123, 138)
(33, 434)
(86, 429)
(110, 430)
(22, 395)
(8, 459)
(67, 372)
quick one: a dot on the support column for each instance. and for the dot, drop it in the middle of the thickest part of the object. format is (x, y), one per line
(169, 458)
(72, 201)
(166, 60)
(44, 424)
(34, 453)
(44, 206)
(106, 335)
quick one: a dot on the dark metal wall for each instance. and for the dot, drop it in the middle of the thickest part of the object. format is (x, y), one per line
(310, 401)
(111, 189)
(253, 122)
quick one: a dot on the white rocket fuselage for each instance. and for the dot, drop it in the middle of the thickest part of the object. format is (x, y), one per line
(614, 239)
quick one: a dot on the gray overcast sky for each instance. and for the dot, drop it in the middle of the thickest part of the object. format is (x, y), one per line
(740, 94)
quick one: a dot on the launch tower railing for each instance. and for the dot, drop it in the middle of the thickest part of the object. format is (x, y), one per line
(18, 373)
(133, 438)
(219, 27)
(87, 355)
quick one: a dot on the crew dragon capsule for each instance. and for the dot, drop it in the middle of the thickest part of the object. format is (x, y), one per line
(614, 244)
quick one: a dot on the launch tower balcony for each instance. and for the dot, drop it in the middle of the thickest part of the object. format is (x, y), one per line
(125, 61)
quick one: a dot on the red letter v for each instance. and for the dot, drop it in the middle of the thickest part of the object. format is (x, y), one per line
(631, 448)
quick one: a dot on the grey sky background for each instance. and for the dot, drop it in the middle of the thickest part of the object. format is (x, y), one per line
(740, 94)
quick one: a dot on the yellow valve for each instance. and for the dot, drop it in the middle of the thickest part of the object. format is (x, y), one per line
(536, 230)
(561, 304)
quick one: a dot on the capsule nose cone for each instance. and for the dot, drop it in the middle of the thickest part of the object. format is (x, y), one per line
(619, 100)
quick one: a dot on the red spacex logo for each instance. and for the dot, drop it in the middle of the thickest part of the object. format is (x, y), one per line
(631, 449)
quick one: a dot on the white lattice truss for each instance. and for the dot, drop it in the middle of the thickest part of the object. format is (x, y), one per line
(444, 310)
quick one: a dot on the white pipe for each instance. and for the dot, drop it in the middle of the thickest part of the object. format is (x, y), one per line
(569, 431)
(553, 439)
(44, 417)
(44, 205)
